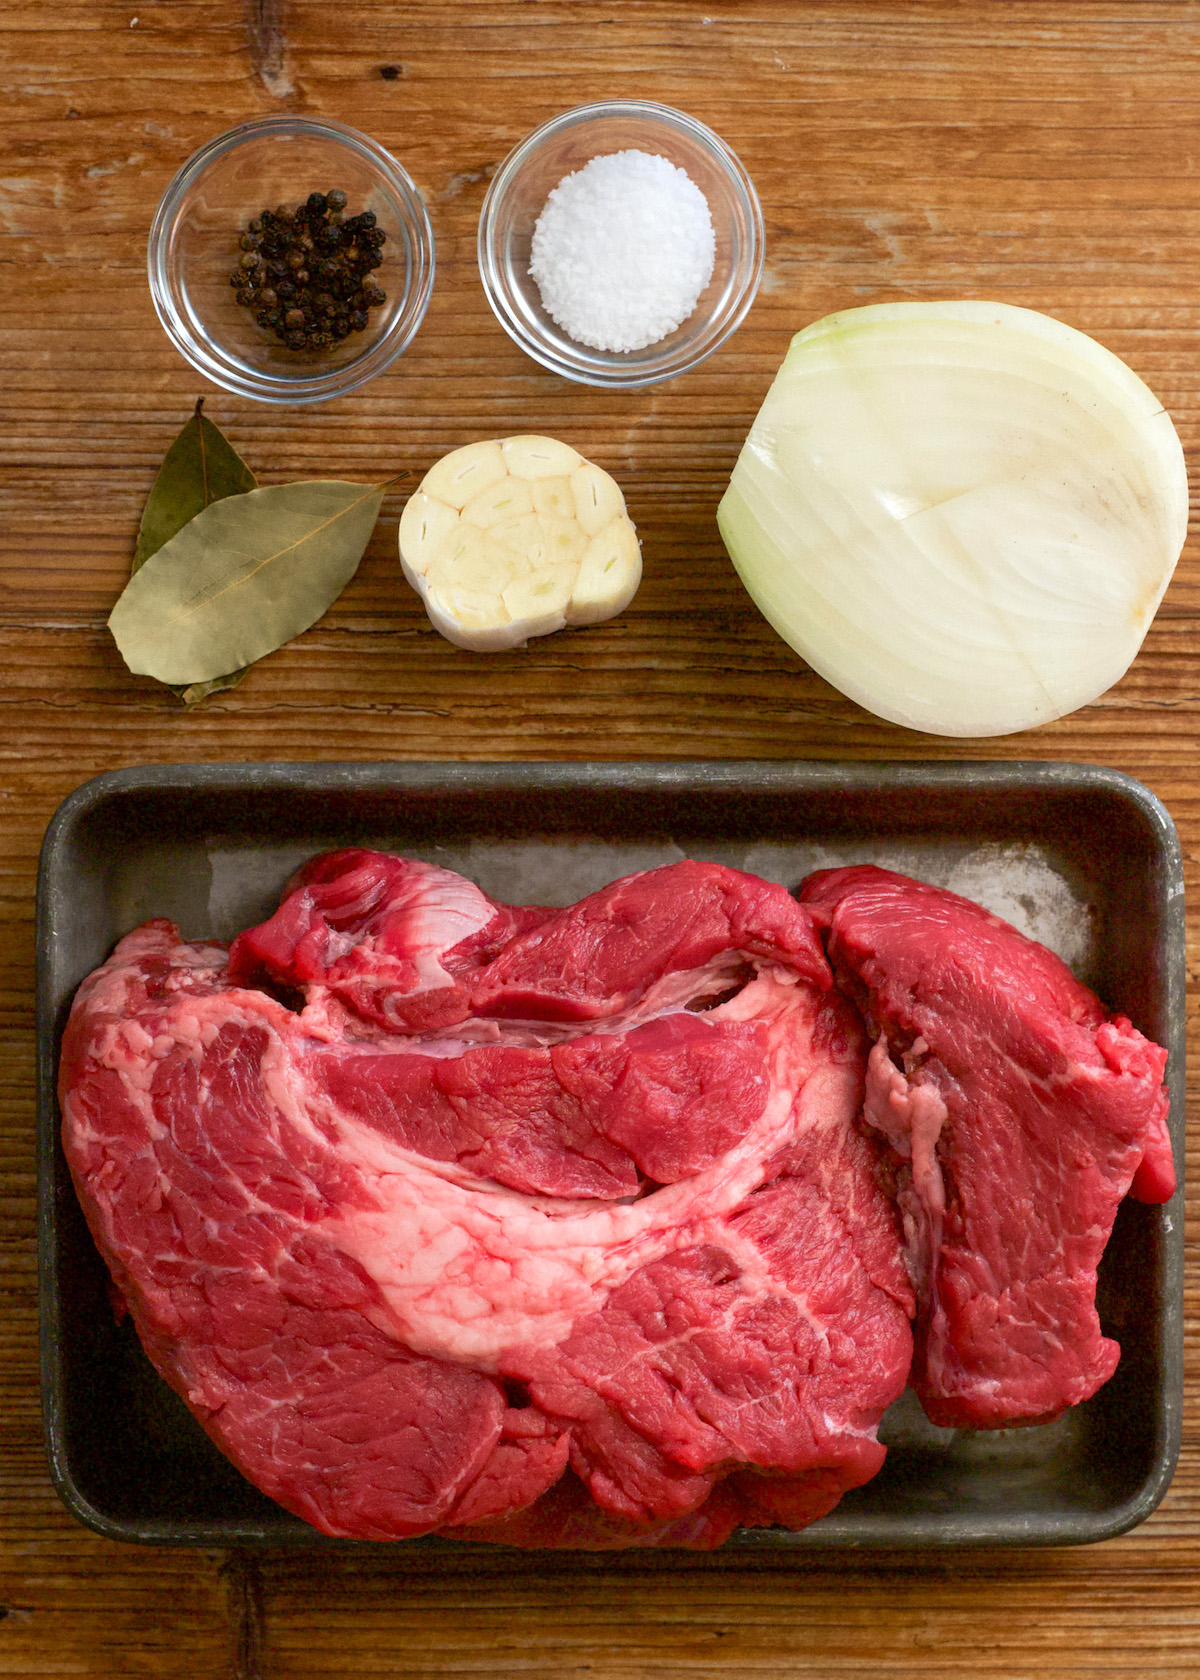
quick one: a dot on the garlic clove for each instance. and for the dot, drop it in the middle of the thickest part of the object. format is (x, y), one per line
(538, 457)
(598, 498)
(508, 498)
(463, 473)
(609, 574)
(554, 496)
(426, 525)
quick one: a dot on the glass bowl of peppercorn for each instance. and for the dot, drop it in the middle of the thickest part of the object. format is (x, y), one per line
(291, 260)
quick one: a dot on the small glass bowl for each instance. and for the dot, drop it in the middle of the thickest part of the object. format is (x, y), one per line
(519, 191)
(194, 249)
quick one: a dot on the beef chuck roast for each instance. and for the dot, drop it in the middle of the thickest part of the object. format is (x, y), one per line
(1020, 1113)
(546, 1226)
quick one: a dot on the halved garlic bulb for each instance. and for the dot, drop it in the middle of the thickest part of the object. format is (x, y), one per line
(518, 537)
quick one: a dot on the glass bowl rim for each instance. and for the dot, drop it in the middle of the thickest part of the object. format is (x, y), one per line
(301, 388)
(731, 169)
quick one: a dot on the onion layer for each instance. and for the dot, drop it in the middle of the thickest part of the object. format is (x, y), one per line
(963, 515)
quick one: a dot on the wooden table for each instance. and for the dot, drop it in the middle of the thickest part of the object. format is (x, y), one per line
(1043, 152)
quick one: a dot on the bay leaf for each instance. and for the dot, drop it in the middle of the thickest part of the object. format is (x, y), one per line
(200, 467)
(192, 693)
(242, 578)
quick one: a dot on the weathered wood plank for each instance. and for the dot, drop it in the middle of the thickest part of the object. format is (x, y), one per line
(1044, 152)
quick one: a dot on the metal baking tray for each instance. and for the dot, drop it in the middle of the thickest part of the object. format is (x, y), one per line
(1082, 857)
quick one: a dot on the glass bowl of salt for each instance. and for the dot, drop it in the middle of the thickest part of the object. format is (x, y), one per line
(621, 243)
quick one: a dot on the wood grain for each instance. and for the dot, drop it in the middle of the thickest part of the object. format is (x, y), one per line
(1042, 152)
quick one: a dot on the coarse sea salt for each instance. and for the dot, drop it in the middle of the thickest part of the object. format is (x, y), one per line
(622, 250)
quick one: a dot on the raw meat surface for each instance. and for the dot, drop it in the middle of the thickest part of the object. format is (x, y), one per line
(538, 1226)
(1019, 1114)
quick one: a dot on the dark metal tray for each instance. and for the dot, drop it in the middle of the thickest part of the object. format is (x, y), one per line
(1081, 857)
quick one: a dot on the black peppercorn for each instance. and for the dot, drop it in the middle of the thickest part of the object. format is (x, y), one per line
(305, 272)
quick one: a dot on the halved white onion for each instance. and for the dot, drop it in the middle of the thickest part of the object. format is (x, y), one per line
(963, 515)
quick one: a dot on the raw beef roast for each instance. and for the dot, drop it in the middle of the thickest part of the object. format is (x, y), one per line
(546, 1226)
(1019, 1114)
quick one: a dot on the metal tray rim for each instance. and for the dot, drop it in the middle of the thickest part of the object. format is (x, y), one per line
(880, 1533)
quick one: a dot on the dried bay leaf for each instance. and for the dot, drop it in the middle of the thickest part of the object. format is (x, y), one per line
(192, 693)
(200, 467)
(242, 578)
